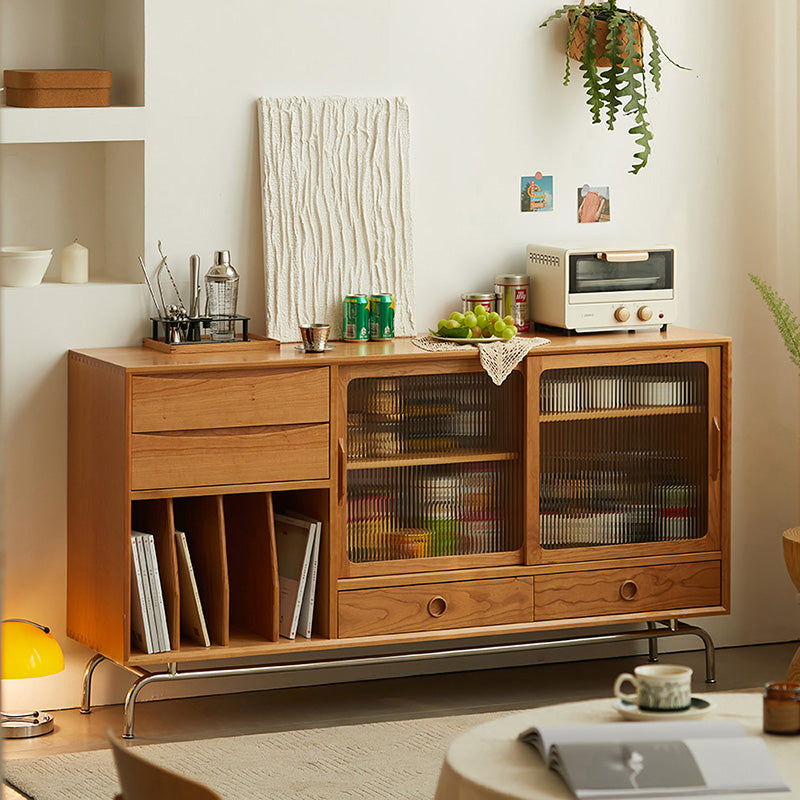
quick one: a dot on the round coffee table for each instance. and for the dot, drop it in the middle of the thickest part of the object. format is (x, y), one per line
(490, 763)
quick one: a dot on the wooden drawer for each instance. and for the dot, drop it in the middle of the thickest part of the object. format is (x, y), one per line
(192, 400)
(224, 456)
(435, 606)
(628, 589)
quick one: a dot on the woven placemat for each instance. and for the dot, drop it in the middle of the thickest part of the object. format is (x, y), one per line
(497, 358)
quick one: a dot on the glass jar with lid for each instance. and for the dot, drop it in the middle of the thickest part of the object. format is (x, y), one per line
(782, 708)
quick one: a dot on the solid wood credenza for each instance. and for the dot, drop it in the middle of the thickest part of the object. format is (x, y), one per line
(591, 488)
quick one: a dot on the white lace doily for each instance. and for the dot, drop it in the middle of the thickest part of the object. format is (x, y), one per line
(497, 358)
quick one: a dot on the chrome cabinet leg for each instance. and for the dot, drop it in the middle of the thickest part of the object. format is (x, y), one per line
(130, 701)
(708, 643)
(652, 644)
(86, 691)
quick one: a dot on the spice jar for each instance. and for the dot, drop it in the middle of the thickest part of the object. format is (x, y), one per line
(782, 708)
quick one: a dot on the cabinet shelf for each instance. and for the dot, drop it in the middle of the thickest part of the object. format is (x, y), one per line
(608, 413)
(241, 644)
(452, 457)
(50, 125)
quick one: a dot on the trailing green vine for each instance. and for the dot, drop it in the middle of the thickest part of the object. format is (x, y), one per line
(622, 86)
(785, 319)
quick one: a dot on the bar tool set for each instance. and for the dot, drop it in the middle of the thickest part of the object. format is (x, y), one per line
(177, 325)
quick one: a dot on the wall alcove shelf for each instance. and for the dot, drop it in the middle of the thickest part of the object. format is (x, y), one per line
(95, 154)
(591, 489)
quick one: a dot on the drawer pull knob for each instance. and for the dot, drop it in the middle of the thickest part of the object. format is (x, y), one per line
(437, 606)
(628, 590)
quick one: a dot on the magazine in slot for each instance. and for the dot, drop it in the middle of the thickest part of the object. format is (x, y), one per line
(305, 622)
(141, 636)
(155, 516)
(193, 620)
(294, 542)
(201, 519)
(158, 619)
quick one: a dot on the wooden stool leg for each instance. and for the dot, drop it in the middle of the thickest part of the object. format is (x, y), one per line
(793, 676)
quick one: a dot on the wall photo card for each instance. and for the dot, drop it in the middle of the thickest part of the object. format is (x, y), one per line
(537, 193)
(594, 203)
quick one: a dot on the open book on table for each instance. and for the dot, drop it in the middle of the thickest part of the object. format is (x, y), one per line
(657, 759)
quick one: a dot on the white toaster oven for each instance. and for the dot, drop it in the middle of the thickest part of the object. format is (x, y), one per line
(588, 290)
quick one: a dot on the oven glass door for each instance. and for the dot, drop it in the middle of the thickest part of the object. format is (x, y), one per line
(620, 271)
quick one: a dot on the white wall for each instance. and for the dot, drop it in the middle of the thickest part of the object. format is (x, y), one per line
(483, 83)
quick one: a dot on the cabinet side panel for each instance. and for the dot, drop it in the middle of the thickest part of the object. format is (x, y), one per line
(98, 512)
(726, 367)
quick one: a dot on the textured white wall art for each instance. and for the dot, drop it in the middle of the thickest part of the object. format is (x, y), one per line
(336, 209)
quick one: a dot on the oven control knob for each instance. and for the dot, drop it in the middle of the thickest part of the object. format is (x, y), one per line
(645, 313)
(622, 314)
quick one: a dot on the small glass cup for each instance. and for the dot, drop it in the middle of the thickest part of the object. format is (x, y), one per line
(315, 337)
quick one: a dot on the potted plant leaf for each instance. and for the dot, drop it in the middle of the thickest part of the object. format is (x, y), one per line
(609, 43)
(785, 319)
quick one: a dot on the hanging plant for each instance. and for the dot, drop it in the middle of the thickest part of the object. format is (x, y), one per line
(609, 44)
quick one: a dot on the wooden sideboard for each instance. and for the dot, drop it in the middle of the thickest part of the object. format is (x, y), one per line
(591, 488)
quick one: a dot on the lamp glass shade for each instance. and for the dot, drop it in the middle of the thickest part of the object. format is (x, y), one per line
(29, 652)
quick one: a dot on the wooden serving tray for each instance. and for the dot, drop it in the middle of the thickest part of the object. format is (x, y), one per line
(254, 342)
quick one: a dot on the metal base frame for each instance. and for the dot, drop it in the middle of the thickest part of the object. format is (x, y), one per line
(652, 633)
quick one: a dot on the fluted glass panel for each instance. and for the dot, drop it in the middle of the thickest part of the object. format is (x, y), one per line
(623, 453)
(421, 414)
(401, 507)
(432, 510)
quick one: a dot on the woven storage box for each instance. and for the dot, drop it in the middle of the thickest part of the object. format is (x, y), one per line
(57, 88)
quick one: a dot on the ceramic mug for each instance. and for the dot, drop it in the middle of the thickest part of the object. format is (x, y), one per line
(659, 687)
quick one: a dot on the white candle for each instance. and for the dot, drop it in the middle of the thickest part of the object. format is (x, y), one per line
(75, 263)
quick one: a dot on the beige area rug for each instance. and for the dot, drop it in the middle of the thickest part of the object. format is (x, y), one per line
(397, 760)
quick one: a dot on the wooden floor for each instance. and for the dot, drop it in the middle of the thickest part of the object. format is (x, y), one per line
(396, 698)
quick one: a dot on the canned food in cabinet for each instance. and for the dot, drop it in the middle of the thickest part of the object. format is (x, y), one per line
(409, 543)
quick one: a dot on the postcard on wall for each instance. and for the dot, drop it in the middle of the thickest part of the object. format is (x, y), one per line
(594, 203)
(537, 193)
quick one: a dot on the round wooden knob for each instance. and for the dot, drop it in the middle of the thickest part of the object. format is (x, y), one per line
(628, 590)
(622, 314)
(437, 606)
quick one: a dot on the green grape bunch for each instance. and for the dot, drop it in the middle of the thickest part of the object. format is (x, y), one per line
(480, 323)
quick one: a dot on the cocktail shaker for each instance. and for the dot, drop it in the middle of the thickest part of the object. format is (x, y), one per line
(222, 290)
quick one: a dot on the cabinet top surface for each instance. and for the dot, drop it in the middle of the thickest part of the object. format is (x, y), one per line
(145, 360)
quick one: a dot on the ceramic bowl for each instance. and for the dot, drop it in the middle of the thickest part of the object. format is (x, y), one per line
(23, 266)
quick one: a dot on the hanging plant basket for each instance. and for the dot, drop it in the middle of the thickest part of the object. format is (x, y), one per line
(609, 44)
(579, 38)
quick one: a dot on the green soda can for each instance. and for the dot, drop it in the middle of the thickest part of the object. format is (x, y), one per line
(381, 317)
(355, 321)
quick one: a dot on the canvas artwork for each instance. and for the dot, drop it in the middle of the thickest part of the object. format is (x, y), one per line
(336, 209)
